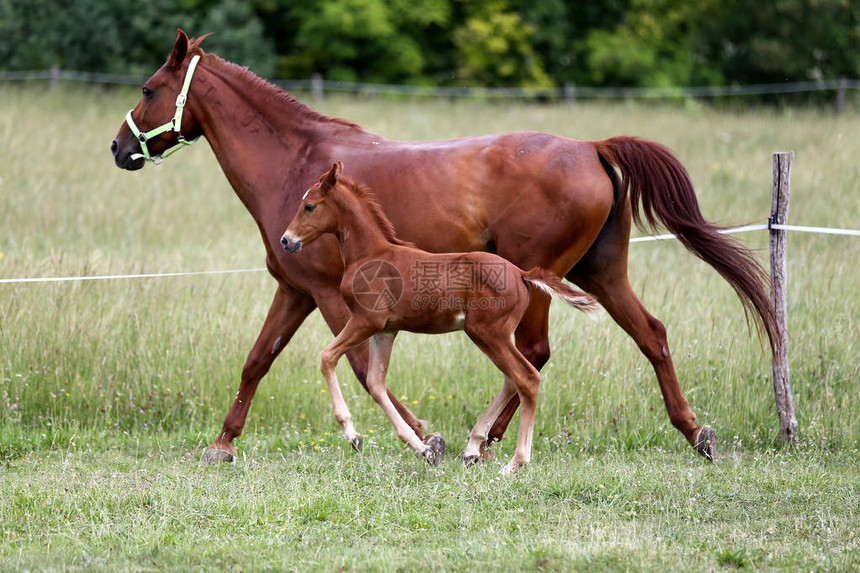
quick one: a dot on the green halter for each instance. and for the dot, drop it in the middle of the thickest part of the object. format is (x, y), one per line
(174, 124)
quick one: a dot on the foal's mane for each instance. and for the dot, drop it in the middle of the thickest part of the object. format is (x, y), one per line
(366, 200)
(258, 84)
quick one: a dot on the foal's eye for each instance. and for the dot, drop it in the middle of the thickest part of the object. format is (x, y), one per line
(146, 91)
(310, 208)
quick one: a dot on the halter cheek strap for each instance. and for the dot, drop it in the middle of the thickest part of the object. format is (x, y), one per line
(174, 124)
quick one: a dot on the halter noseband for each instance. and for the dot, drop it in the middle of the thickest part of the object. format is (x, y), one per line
(174, 124)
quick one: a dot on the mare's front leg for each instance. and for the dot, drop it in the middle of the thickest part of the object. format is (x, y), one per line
(289, 309)
(380, 354)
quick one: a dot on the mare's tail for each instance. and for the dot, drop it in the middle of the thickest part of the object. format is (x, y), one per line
(553, 286)
(660, 187)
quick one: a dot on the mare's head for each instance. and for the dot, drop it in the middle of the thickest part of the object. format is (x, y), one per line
(158, 109)
(316, 215)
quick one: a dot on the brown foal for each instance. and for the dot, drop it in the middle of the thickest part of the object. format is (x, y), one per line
(391, 285)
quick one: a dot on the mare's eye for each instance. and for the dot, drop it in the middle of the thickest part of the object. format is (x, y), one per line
(146, 91)
(310, 208)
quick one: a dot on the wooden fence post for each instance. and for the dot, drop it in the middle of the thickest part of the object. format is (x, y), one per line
(317, 88)
(840, 95)
(55, 77)
(779, 276)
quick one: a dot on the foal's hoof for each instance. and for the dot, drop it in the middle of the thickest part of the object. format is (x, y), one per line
(469, 461)
(432, 457)
(436, 443)
(706, 443)
(217, 455)
(357, 443)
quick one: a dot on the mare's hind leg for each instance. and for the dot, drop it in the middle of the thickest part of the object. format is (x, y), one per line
(289, 309)
(621, 303)
(602, 272)
(380, 353)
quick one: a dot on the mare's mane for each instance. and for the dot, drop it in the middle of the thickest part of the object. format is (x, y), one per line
(365, 197)
(258, 84)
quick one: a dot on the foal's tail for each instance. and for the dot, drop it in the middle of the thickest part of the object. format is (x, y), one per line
(553, 286)
(660, 187)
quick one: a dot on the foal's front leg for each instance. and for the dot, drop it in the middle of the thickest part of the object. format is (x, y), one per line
(353, 334)
(380, 355)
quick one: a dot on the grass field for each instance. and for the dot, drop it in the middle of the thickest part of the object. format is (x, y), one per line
(111, 390)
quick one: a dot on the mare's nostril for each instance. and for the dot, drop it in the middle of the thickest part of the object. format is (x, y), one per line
(113, 147)
(284, 242)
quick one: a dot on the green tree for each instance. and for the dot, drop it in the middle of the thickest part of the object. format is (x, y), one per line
(783, 40)
(560, 31)
(494, 47)
(105, 36)
(655, 45)
(371, 40)
(238, 34)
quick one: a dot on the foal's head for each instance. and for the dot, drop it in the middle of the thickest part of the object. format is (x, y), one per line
(316, 214)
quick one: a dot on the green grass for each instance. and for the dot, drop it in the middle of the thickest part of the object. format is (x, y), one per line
(110, 391)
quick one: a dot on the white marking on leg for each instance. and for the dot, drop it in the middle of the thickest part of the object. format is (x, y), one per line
(341, 410)
(277, 345)
(481, 431)
(380, 352)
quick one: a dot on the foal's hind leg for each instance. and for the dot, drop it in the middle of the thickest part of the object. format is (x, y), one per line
(501, 350)
(476, 448)
(532, 339)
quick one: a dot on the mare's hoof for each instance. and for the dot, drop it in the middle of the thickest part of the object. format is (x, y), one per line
(706, 443)
(217, 455)
(469, 461)
(357, 443)
(436, 445)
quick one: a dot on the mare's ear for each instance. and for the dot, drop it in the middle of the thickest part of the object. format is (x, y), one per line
(329, 180)
(180, 50)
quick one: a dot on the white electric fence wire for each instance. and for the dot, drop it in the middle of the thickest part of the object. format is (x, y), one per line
(744, 229)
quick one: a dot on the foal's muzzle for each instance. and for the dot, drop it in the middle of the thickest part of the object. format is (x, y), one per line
(291, 243)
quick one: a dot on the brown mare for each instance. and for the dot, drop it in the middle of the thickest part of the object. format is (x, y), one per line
(486, 297)
(489, 193)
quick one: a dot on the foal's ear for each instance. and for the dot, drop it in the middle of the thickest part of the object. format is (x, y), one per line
(329, 180)
(180, 49)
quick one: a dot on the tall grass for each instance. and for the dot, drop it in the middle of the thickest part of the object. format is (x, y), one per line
(147, 356)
